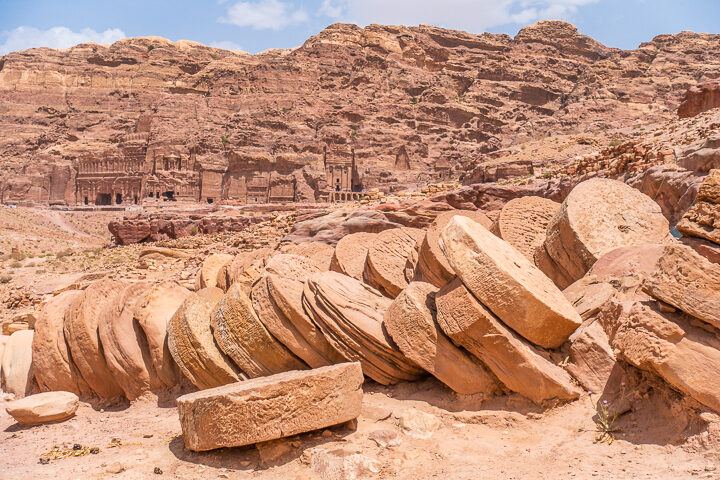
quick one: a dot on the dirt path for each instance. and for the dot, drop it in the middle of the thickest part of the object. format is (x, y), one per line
(57, 219)
(505, 440)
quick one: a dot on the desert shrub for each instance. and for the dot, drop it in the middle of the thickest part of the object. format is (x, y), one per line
(63, 253)
(5, 278)
(19, 256)
(15, 264)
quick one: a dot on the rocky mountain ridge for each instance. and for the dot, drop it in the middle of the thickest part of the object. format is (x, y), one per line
(403, 105)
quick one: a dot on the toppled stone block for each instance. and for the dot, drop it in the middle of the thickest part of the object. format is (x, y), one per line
(43, 408)
(508, 283)
(271, 407)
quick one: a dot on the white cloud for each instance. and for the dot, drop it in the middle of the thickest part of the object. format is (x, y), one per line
(470, 15)
(265, 15)
(330, 9)
(226, 45)
(23, 38)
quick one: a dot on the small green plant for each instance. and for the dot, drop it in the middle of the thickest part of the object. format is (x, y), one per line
(5, 279)
(194, 231)
(607, 415)
(414, 100)
(547, 174)
(353, 132)
(615, 143)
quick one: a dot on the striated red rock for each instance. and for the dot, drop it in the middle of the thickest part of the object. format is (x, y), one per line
(433, 267)
(390, 107)
(703, 218)
(700, 98)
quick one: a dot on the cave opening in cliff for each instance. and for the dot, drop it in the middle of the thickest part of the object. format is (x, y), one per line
(118, 198)
(86, 200)
(103, 199)
(210, 200)
(169, 195)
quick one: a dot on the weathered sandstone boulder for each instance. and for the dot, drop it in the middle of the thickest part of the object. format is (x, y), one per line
(244, 269)
(701, 158)
(153, 313)
(508, 283)
(192, 345)
(124, 343)
(81, 333)
(211, 266)
(350, 315)
(597, 216)
(287, 294)
(707, 249)
(518, 365)
(687, 280)
(703, 218)
(523, 223)
(271, 407)
(274, 307)
(591, 359)
(351, 253)
(319, 253)
(552, 270)
(17, 368)
(685, 356)
(52, 364)
(588, 295)
(43, 408)
(242, 337)
(670, 186)
(335, 225)
(433, 267)
(410, 321)
(392, 259)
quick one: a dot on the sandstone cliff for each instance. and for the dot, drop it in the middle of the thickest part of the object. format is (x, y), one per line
(380, 106)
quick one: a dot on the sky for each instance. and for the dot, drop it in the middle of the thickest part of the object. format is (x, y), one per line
(256, 25)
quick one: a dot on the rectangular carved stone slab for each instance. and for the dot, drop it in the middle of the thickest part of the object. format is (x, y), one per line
(269, 408)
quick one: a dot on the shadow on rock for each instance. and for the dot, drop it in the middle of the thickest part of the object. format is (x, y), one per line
(263, 455)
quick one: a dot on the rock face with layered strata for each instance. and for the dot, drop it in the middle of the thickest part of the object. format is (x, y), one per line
(240, 334)
(350, 315)
(392, 259)
(433, 267)
(600, 215)
(125, 346)
(153, 313)
(685, 356)
(703, 218)
(410, 321)
(208, 276)
(688, 281)
(53, 366)
(192, 345)
(277, 298)
(81, 333)
(287, 404)
(469, 92)
(508, 284)
(515, 362)
(351, 252)
(700, 98)
(523, 223)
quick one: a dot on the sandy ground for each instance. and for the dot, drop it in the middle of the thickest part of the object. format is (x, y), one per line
(505, 438)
